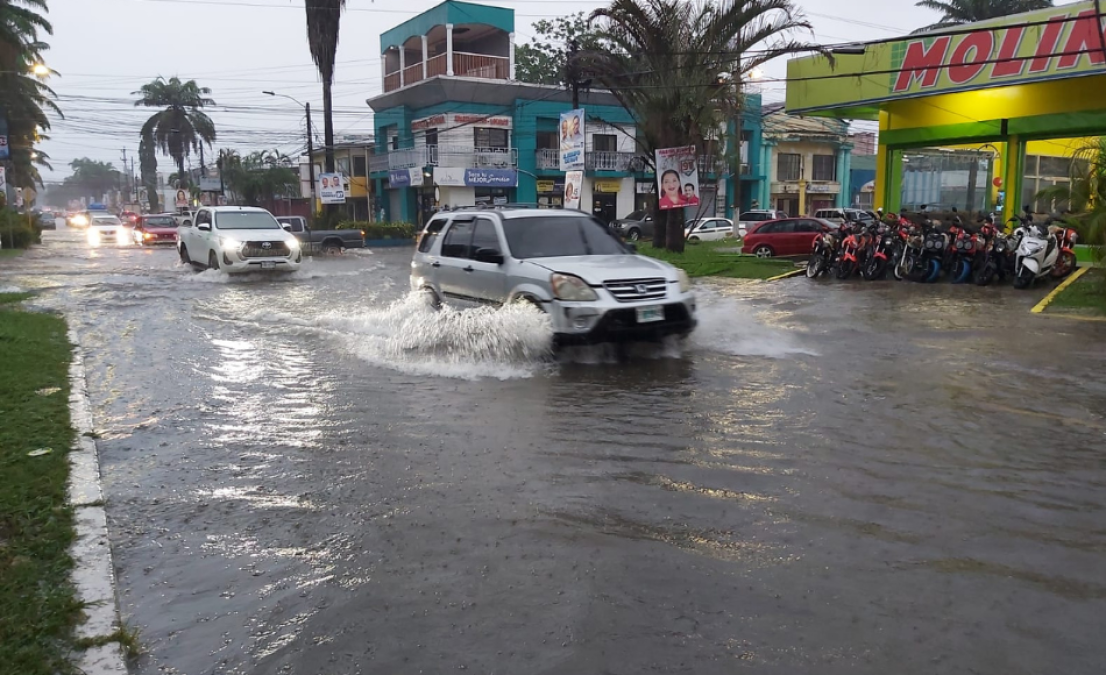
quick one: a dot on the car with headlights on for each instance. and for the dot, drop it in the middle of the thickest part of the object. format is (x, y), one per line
(593, 287)
(238, 239)
(106, 229)
(155, 229)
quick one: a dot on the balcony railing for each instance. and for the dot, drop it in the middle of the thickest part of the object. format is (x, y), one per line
(378, 162)
(407, 158)
(607, 160)
(549, 159)
(465, 64)
(462, 155)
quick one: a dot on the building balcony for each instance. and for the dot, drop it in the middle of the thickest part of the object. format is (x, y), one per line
(378, 162)
(594, 160)
(466, 156)
(464, 65)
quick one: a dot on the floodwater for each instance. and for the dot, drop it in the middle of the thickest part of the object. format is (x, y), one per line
(314, 474)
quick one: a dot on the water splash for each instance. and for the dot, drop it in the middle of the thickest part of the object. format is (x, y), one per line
(10, 289)
(729, 325)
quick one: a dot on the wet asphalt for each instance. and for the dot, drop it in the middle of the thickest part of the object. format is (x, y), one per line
(311, 474)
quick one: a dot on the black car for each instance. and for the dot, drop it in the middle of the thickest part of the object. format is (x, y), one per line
(635, 226)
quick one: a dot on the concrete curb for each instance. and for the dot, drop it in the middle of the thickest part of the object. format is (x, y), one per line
(785, 275)
(1040, 306)
(94, 570)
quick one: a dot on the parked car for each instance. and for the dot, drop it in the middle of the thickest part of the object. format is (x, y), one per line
(104, 228)
(748, 219)
(46, 220)
(789, 236)
(238, 239)
(129, 218)
(709, 229)
(635, 226)
(155, 229)
(328, 241)
(185, 218)
(593, 287)
(840, 216)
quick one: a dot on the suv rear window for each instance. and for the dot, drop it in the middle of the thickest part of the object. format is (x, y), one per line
(546, 237)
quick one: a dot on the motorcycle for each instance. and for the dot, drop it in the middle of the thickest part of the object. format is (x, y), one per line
(927, 266)
(993, 257)
(852, 253)
(1037, 252)
(1066, 263)
(964, 249)
(909, 248)
(822, 255)
(884, 249)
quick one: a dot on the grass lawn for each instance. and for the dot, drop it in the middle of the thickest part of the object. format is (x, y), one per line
(38, 607)
(1086, 296)
(719, 259)
(10, 253)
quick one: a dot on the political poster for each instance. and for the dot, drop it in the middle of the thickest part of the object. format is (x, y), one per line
(677, 177)
(182, 199)
(331, 190)
(572, 140)
(573, 182)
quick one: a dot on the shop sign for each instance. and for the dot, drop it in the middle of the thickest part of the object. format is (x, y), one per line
(398, 178)
(551, 186)
(428, 122)
(645, 188)
(822, 188)
(1051, 43)
(606, 185)
(457, 119)
(491, 177)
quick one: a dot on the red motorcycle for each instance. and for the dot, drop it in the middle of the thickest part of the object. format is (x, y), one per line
(1066, 262)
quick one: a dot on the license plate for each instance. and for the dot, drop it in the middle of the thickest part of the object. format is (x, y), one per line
(268, 265)
(650, 313)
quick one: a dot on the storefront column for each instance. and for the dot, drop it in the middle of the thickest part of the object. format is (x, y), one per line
(765, 197)
(425, 53)
(888, 193)
(843, 166)
(402, 65)
(1013, 165)
(449, 49)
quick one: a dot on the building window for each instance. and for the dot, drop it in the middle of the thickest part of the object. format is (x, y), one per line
(395, 142)
(342, 165)
(547, 140)
(431, 136)
(604, 143)
(359, 166)
(789, 167)
(825, 167)
(490, 138)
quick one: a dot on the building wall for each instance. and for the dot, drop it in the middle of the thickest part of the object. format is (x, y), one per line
(789, 191)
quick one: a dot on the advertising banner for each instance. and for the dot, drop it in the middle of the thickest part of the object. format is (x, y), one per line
(677, 177)
(181, 200)
(491, 177)
(573, 182)
(398, 178)
(4, 153)
(3, 181)
(330, 189)
(572, 140)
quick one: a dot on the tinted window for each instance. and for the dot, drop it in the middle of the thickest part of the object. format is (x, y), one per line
(457, 239)
(433, 229)
(245, 220)
(808, 226)
(786, 226)
(160, 221)
(768, 228)
(295, 224)
(203, 218)
(545, 237)
(484, 236)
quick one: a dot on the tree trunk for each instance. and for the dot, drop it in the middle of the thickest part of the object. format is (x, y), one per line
(660, 227)
(328, 138)
(675, 230)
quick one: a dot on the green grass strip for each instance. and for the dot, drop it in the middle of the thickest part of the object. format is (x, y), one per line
(38, 607)
(1086, 296)
(718, 259)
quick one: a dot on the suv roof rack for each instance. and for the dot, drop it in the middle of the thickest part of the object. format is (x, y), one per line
(492, 207)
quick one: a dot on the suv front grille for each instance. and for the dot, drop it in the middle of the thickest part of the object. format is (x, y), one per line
(631, 290)
(255, 249)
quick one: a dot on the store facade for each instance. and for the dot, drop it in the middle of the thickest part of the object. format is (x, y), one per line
(991, 88)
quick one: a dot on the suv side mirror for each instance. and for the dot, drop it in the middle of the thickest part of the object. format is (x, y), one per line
(489, 255)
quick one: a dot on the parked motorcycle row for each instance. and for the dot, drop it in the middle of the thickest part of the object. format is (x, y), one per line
(916, 248)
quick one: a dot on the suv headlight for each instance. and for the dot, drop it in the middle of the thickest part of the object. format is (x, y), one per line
(570, 287)
(685, 281)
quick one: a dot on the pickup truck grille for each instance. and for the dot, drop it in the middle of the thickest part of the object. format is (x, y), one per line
(256, 249)
(632, 290)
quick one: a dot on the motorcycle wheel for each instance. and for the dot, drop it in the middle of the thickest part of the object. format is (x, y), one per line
(845, 269)
(986, 275)
(934, 271)
(1065, 265)
(962, 271)
(902, 268)
(814, 266)
(874, 268)
(1024, 278)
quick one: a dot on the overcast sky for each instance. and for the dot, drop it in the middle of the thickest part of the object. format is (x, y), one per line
(106, 49)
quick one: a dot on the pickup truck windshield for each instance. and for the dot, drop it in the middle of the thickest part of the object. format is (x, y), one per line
(245, 220)
(538, 237)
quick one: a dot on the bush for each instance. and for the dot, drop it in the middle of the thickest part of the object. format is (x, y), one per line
(379, 230)
(18, 230)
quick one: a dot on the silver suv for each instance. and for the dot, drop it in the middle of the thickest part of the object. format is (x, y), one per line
(593, 287)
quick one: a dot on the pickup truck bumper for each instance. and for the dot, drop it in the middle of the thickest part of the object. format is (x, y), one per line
(232, 264)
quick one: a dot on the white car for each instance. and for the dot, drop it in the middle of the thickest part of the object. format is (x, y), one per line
(709, 229)
(104, 228)
(238, 239)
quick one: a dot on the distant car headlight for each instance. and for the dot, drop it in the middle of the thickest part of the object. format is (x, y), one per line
(570, 287)
(80, 220)
(685, 281)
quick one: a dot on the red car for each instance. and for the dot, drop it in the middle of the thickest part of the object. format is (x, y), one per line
(152, 229)
(787, 236)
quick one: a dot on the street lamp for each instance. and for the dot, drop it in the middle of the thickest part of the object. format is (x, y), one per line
(310, 149)
(40, 70)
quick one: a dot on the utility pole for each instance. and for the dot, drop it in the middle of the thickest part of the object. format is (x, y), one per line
(310, 163)
(574, 72)
(122, 178)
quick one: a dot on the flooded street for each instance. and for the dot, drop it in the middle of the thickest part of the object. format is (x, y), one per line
(316, 474)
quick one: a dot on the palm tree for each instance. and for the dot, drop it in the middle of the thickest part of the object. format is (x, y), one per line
(323, 19)
(147, 167)
(663, 60)
(1085, 196)
(958, 12)
(182, 127)
(24, 99)
(260, 176)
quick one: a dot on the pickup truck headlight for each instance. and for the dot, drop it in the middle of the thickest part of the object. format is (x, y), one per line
(293, 244)
(229, 243)
(685, 281)
(570, 287)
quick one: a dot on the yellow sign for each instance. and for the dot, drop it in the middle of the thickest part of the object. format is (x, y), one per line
(545, 186)
(1052, 43)
(607, 185)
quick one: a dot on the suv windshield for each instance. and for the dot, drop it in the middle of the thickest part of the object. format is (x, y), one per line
(635, 215)
(159, 221)
(245, 220)
(105, 220)
(545, 237)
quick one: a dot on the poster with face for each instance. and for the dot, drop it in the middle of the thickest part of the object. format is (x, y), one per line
(677, 177)
(572, 140)
(573, 181)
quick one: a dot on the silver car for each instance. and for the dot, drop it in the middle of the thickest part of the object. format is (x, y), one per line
(593, 287)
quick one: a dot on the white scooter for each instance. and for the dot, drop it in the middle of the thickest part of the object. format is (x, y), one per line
(1036, 254)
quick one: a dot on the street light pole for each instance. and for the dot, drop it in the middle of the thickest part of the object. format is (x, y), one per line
(310, 153)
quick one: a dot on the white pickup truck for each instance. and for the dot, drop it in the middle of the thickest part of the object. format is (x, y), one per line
(238, 239)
